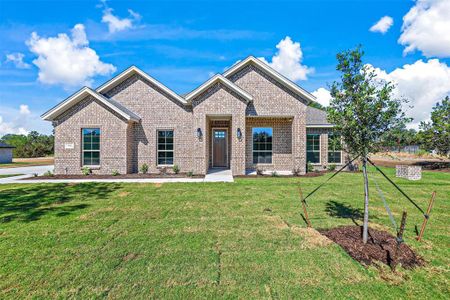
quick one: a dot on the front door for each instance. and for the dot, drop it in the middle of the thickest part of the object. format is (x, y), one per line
(219, 148)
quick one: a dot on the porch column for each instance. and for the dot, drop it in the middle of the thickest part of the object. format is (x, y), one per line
(237, 161)
(299, 142)
(199, 145)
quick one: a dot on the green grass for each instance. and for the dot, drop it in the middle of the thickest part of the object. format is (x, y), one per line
(8, 175)
(211, 240)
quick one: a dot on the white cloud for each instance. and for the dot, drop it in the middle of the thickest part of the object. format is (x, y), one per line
(24, 109)
(18, 120)
(382, 25)
(116, 24)
(10, 128)
(288, 60)
(422, 83)
(17, 60)
(323, 96)
(67, 60)
(426, 27)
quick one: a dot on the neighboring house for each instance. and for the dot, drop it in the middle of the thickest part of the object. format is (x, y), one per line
(6, 153)
(248, 117)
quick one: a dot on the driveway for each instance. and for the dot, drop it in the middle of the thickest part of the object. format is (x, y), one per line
(26, 171)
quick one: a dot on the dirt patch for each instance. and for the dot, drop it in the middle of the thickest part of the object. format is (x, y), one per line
(123, 194)
(430, 163)
(158, 184)
(122, 176)
(130, 256)
(381, 247)
(313, 238)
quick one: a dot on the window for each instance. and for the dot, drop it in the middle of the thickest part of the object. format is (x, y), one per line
(91, 146)
(262, 145)
(165, 147)
(334, 149)
(313, 148)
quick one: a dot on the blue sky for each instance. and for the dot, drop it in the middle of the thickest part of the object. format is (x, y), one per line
(183, 43)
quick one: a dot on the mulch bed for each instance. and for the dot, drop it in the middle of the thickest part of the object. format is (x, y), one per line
(122, 176)
(312, 174)
(381, 246)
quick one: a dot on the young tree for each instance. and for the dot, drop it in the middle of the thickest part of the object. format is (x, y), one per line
(436, 135)
(363, 109)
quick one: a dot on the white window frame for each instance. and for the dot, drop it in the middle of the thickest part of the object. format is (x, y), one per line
(269, 151)
(320, 149)
(157, 148)
(328, 141)
(83, 150)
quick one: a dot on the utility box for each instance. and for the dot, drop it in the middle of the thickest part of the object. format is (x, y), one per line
(408, 172)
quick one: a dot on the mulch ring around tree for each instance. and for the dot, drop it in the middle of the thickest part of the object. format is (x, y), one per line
(381, 246)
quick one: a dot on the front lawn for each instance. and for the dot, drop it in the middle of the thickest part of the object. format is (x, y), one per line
(211, 240)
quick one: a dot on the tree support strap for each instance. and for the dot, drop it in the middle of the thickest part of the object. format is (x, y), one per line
(386, 206)
(322, 184)
(398, 188)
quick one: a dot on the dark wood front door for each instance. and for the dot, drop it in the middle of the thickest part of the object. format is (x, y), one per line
(219, 148)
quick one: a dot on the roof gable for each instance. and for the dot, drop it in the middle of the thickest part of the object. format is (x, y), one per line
(80, 95)
(135, 70)
(316, 118)
(216, 79)
(272, 73)
(6, 146)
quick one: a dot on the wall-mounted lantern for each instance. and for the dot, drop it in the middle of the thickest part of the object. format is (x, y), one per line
(239, 133)
(199, 132)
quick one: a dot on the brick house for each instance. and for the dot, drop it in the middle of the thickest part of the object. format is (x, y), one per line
(246, 118)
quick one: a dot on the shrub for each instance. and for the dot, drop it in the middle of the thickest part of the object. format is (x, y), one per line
(144, 169)
(86, 171)
(49, 174)
(190, 173)
(115, 173)
(331, 167)
(260, 171)
(176, 169)
(296, 172)
(274, 174)
(422, 153)
(309, 167)
(35, 174)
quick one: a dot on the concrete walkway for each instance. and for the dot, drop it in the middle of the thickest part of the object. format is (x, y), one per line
(219, 175)
(215, 176)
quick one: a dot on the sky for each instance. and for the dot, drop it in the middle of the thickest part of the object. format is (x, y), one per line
(50, 49)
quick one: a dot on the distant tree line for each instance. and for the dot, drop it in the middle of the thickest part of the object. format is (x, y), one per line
(432, 136)
(32, 145)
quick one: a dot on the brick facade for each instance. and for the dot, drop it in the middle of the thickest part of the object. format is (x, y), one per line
(90, 113)
(126, 146)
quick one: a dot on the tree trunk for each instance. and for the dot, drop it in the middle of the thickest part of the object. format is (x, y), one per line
(366, 202)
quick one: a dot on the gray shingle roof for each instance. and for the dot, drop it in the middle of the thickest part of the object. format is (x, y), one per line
(316, 116)
(3, 145)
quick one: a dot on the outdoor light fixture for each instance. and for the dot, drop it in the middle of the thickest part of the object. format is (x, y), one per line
(199, 132)
(239, 133)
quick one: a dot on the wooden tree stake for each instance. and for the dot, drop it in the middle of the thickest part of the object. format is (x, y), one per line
(402, 227)
(425, 220)
(304, 207)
